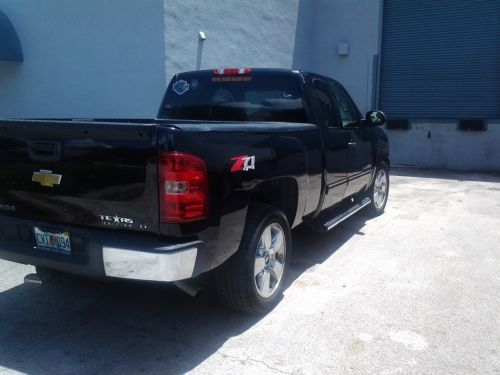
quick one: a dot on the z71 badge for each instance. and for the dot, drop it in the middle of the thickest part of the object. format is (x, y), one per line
(243, 163)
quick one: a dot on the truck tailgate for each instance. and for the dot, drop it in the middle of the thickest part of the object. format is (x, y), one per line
(81, 173)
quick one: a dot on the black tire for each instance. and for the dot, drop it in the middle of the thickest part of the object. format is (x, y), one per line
(375, 209)
(236, 280)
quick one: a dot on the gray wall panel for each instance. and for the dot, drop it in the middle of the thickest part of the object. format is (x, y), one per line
(92, 58)
(357, 24)
(438, 144)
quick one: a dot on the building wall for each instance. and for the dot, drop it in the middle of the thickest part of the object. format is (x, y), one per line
(92, 58)
(303, 34)
(356, 23)
(438, 144)
(239, 33)
(113, 59)
(439, 62)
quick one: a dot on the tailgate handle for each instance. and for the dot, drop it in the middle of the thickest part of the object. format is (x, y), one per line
(45, 150)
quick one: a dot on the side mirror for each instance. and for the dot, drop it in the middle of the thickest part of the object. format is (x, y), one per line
(375, 118)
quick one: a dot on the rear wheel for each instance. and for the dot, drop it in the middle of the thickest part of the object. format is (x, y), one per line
(252, 279)
(379, 190)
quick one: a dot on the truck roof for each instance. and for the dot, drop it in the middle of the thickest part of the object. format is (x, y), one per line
(259, 71)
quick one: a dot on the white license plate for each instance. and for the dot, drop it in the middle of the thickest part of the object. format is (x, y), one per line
(54, 242)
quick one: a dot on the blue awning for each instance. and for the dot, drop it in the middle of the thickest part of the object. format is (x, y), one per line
(10, 48)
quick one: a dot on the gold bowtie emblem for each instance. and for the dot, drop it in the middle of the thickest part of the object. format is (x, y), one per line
(46, 178)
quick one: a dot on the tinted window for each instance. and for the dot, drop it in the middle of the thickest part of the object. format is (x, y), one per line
(234, 98)
(349, 114)
(325, 101)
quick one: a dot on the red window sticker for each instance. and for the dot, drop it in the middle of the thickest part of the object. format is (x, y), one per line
(243, 163)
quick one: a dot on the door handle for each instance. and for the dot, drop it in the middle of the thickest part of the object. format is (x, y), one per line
(352, 144)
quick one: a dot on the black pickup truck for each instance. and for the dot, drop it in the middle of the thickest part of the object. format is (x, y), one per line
(235, 159)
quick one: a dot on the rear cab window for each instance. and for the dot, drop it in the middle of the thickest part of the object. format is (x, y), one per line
(255, 96)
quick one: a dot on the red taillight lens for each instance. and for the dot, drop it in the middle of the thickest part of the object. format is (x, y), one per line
(232, 71)
(183, 187)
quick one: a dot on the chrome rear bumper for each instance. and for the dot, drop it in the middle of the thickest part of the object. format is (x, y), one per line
(164, 264)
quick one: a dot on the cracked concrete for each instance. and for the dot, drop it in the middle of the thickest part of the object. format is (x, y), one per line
(414, 291)
(243, 361)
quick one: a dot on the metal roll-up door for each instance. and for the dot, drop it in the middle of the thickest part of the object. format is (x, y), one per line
(441, 59)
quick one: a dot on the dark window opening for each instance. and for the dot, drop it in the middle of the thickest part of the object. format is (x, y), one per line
(325, 102)
(473, 125)
(398, 124)
(349, 114)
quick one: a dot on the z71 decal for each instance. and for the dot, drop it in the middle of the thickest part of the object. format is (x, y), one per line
(243, 163)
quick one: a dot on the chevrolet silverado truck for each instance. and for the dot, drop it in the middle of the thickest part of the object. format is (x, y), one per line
(233, 161)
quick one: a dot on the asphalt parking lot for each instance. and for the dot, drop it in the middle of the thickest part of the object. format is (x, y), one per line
(414, 291)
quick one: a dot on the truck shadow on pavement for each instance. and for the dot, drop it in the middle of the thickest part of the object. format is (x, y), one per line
(85, 326)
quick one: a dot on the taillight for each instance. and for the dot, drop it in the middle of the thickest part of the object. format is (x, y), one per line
(232, 71)
(183, 182)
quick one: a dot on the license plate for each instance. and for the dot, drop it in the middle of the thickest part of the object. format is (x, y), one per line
(55, 242)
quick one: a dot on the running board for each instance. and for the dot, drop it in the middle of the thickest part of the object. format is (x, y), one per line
(328, 225)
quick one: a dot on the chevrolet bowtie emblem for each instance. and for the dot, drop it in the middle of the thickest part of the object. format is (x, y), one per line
(46, 178)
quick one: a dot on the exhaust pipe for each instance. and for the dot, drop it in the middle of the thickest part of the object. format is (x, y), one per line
(33, 279)
(189, 287)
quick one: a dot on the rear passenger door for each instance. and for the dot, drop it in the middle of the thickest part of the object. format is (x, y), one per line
(335, 139)
(360, 145)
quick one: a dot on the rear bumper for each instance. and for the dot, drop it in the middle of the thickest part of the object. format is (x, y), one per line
(103, 253)
(167, 264)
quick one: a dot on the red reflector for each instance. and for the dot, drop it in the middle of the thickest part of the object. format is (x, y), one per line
(183, 187)
(232, 71)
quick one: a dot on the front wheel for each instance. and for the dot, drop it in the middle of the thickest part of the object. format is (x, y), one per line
(379, 190)
(252, 279)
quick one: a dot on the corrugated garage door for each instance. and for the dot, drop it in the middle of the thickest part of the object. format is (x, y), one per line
(441, 59)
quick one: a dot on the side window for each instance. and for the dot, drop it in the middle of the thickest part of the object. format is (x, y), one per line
(349, 114)
(325, 101)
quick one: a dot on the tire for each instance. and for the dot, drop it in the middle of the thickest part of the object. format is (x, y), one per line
(379, 190)
(239, 284)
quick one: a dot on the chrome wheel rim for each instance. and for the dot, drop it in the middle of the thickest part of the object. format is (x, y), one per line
(270, 260)
(380, 189)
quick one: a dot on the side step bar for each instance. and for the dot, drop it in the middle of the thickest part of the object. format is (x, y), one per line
(341, 217)
(334, 216)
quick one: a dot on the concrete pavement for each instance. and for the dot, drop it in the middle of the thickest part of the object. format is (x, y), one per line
(414, 291)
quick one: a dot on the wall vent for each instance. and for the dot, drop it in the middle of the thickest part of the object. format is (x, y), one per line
(472, 125)
(398, 124)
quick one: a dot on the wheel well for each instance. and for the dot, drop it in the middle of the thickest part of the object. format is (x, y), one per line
(280, 192)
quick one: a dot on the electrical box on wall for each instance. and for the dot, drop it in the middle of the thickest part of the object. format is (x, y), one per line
(343, 49)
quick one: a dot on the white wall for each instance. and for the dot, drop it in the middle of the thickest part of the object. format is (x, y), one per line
(240, 33)
(92, 58)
